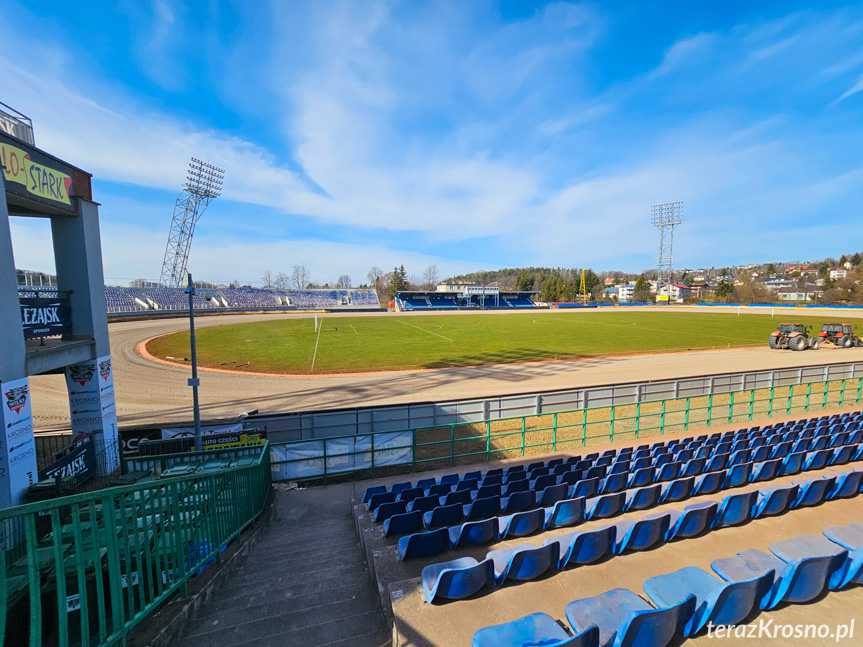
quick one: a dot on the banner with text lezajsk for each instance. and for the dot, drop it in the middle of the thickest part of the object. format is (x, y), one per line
(18, 450)
(93, 408)
(305, 459)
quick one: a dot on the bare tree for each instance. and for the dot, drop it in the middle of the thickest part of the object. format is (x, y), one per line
(430, 277)
(344, 281)
(300, 276)
(267, 279)
(281, 281)
(374, 275)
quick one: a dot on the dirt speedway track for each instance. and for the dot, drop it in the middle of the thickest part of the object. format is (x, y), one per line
(149, 392)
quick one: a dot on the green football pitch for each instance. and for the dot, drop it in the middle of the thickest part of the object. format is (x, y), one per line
(409, 341)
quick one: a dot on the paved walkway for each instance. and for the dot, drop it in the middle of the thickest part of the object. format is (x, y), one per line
(304, 583)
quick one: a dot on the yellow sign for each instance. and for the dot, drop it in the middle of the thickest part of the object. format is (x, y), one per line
(39, 180)
(662, 297)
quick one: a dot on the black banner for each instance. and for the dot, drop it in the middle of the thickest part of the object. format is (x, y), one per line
(45, 317)
(79, 464)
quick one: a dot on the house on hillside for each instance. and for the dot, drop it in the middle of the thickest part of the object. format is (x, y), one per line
(808, 292)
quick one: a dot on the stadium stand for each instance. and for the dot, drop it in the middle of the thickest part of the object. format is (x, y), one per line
(364, 297)
(247, 297)
(123, 300)
(314, 298)
(174, 299)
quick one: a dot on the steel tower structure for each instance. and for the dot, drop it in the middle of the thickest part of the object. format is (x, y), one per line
(665, 217)
(203, 185)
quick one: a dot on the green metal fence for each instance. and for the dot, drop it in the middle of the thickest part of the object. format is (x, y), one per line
(466, 443)
(85, 569)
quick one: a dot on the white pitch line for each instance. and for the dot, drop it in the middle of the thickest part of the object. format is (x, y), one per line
(424, 330)
(354, 329)
(315, 354)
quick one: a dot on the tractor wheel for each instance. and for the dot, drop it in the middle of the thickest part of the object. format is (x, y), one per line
(857, 341)
(814, 343)
(847, 342)
(773, 341)
(798, 343)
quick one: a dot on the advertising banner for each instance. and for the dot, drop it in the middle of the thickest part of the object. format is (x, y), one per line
(79, 464)
(18, 451)
(32, 174)
(189, 432)
(93, 408)
(45, 317)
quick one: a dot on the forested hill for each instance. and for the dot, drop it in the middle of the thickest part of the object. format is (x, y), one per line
(526, 278)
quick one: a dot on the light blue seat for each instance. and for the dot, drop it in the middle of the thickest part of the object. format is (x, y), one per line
(642, 533)
(521, 524)
(524, 562)
(565, 513)
(677, 490)
(474, 533)
(532, 630)
(643, 497)
(445, 515)
(483, 508)
(424, 544)
(766, 470)
(802, 567)
(774, 501)
(847, 485)
(813, 491)
(850, 537)
(625, 619)
(456, 579)
(735, 509)
(692, 520)
(584, 546)
(518, 502)
(370, 492)
(402, 524)
(737, 475)
(605, 505)
(709, 483)
(716, 601)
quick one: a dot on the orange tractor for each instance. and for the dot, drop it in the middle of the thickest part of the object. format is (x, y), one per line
(793, 336)
(839, 335)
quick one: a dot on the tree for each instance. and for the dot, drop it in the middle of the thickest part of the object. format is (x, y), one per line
(855, 260)
(430, 277)
(724, 289)
(771, 270)
(824, 270)
(374, 275)
(750, 291)
(842, 260)
(281, 281)
(300, 276)
(641, 292)
(398, 282)
(267, 279)
(343, 282)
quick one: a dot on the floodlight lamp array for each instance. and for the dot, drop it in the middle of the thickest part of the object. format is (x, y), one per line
(204, 179)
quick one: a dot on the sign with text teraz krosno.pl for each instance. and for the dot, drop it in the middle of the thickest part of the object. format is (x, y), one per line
(45, 317)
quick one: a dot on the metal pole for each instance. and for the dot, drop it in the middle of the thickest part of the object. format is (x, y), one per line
(194, 382)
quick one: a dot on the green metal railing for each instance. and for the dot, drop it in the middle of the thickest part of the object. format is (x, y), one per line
(465, 443)
(85, 569)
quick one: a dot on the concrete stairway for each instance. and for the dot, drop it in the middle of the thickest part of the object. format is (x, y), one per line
(304, 583)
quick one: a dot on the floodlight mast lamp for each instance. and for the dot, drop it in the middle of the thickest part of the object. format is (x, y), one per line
(203, 185)
(665, 217)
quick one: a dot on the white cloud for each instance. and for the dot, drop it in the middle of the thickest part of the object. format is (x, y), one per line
(854, 89)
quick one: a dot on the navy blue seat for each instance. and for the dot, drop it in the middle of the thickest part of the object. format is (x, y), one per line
(848, 484)
(424, 544)
(486, 491)
(761, 454)
(643, 497)
(498, 471)
(817, 460)
(813, 491)
(669, 471)
(694, 467)
(375, 489)
(441, 489)
(445, 515)
(387, 510)
(596, 472)
(739, 457)
(425, 484)
(663, 459)
(559, 470)
(472, 476)
(409, 494)
(641, 534)
(625, 619)
(542, 482)
(586, 488)
(572, 477)
(521, 524)
(483, 508)
(766, 470)
(614, 483)
(535, 629)
(467, 484)
(585, 546)
(554, 462)
(535, 466)
(565, 513)
(641, 462)
(642, 477)
(456, 579)
(552, 494)
(692, 520)
(583, 465)
(519, 502)
(460, 496)
(474, 533)
(401, 524)
(380, 498)
(792, 464)
(735, 509)
(850, 537)
(605, 505)
(524, 562)
(709, 483)
(842, 455)
(521, 485)
(737, 475)
(716, 601)
(677, 490)
(781, 450)
(717, 462)
(620, 467)
(424, 504)
(534, 474)
(398, 488)
(774, 501)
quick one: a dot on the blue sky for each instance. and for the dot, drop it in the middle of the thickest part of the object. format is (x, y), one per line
(474, 135)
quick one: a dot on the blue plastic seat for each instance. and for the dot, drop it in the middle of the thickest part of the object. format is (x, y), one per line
(625, 619)
(517, 473)
(817, 460)
(565, 513)
(596, 472)
(739, 457)
(842, 455)
(486, 491)
(584, 546)
(642, 533)
(542, 482)
(467, 484)
(669, 471)
(424, 504)
(792, 464)
(735, 509)
(586, 488)
(716, 601)
(483, 508)
(766, 470)
(441, 489)
(813, 491)
(781, 450)
(694, 467)
(535, 466)
(850, 537)
(519, 502)
(802, 568)
(534, 474)
(379, 499)
(774, 501)
(535, 629)
(476, 475)
(692, 520)
(460, 496)
(552, 494)
(643, 497)
(521, 485)
(641, 462)
(554, 462)
(642, 477)
(425, 484)
(737, 475)
(572, 477)
(677, 490)
(398, 488)
(474, 533)
(605, 505)
(614, 483)
(424, 544)
(709, 483)
(521, 524)
(498, 471)
(559, 470)
(761, 454)
(717, 462)
(663, 459)
(370, 492)
(456, 579)
(523, 562)
(402, 524)
(387, 510)
(848, 484)
(491, 479)
(445, 515)
(620, 467)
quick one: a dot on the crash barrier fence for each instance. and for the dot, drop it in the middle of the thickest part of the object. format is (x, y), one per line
(428, 448)
(86, 569)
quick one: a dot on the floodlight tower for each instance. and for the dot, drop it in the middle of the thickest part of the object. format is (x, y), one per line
(203, 185)
(665, 217)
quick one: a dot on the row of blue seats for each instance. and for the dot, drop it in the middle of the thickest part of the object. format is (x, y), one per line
(567, 505)
(465, 576)
(685, 601)
(806, 440)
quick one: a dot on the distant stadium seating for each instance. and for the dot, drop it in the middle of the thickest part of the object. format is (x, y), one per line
(123, 300)
(175, 299)
(247, 297)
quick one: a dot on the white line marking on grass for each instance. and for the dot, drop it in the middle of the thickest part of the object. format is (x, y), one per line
(424, 330)
(315, 354)
(354, 329)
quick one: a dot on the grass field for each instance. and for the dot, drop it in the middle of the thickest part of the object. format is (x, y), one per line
(399, 341)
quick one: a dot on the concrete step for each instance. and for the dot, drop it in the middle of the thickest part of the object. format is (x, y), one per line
(286, 586)
(308, 568)
(344, 630)
(383, 638)
(300, 549)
